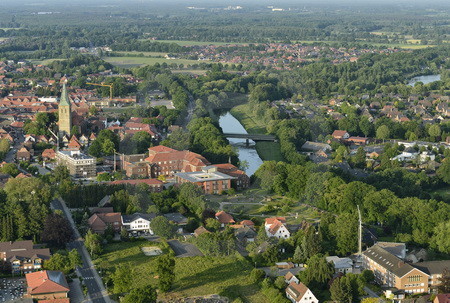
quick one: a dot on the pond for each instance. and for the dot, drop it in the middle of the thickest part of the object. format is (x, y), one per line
(424, 79)
(230, 124)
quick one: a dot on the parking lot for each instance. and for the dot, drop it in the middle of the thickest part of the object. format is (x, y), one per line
(11, 288)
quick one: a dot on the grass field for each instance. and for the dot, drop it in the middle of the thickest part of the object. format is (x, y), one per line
(147, 54)
(442, 193)
(44, 62)
(139, 61)
(398, 45)
(195, 276)
(266, 150)
(192, 43)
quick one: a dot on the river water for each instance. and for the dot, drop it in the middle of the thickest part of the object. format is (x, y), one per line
(424, 79)
(230, 124)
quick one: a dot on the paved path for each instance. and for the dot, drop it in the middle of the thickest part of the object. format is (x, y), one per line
(96, 290)
(184, 249)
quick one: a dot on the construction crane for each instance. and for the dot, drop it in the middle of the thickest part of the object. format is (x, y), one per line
(107, 85)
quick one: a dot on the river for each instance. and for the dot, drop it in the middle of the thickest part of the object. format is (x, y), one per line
(424, 79)
(230, 124)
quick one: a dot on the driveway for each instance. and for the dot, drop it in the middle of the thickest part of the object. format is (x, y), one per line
(184, 249)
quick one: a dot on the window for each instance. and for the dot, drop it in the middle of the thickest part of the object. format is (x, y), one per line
(415, 278)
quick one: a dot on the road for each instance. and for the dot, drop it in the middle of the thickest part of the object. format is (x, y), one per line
(11, 155)
(96, 290)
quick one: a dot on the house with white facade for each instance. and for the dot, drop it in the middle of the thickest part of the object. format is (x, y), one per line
(341, 265)
(300, 293)
(289, 278)
(276, 227)
(138, 223)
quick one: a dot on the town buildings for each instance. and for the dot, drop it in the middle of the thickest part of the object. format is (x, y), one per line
(392, 271)
(47, 285)
(64, 113)
(300, 293)
(22, 256)
(275, 227)
(99, 222)
(79, 164)
(138, 222)
(209, 179)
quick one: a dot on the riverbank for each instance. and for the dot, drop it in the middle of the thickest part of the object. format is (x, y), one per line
(267, 151)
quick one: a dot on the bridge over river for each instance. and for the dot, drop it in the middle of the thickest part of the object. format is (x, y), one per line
(254, 137)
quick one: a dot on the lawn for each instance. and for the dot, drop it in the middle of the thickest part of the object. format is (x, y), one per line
(195, 276)
(139, 61)
(442, 193)
(44, 62)
(192, 43)
(268, 151)
(147, 54)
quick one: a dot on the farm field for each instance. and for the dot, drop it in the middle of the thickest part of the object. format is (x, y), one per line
(139, 61)
(135, 53)
(226, 276)
(268, 151)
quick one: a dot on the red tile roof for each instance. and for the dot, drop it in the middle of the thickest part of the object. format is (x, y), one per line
(224, 218)
(46, 281)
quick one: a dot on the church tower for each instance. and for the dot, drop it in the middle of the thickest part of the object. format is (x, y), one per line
(65, 115)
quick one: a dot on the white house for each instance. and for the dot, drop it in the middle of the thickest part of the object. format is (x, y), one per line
(289, 278)
(138, 222)
(343, 265)
(275, 227)
(299, 293)
(405, 156)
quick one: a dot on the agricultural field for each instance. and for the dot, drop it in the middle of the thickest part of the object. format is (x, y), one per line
(268, 151)
(137, 53)
(226, 276)
(141, 61)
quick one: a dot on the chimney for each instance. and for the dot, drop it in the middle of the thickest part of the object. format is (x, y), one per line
(400, 263)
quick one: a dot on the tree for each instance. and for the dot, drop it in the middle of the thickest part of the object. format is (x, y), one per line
(10, 169)
(317, 273)
(383, 132)
(142, 141)
(257, 275)
(4, 147)
(93, 243)
(212, 224)
(58, 262)
(444, 282)
(162, 227)
(145, 294)
(122, 277)
(434, 131)
(165, 266)
(57, 230)
(311, 243)
(74, 259)
(341, 290)
(299, 256)
(75, 130)
(443, 171)
(441, 237)
(346, 232)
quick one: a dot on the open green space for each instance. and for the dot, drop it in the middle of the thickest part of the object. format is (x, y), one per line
(139, 61)
(137, 53)
(377, 44)
(442, 193)
(44, 62)
(268, 151)
(193, 43)
(195, 276)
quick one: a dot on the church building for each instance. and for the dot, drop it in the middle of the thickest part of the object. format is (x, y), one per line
(65, 115)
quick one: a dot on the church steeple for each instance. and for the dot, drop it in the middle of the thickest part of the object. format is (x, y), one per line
(65, 115)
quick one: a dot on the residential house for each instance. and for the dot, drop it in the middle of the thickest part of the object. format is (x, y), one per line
(99, 222)
(358, 140)
(300, 293)
(341, 265)
(47, 285)
(289, 278)
(22, 256)
(23, 155)
(224, 218)
(48, 154)
(442, 298)
(245, 234)
(137, 223)
(276, 227)
(177, 219)
(200, 231)
(340, 134)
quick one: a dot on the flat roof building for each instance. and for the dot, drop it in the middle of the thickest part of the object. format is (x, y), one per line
(80, 165)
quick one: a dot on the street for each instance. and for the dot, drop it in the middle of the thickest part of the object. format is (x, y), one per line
(96, 290)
